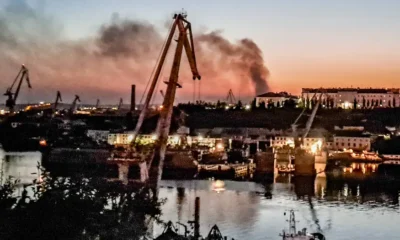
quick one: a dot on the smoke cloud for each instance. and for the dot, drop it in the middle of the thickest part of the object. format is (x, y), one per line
(121, 53)
(244, 58)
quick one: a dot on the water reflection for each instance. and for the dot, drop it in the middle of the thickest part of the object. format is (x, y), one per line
(20, 165)
(243, 210)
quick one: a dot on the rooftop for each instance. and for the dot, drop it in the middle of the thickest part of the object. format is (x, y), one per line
(358, 90)
(274, 94)
(357, 134)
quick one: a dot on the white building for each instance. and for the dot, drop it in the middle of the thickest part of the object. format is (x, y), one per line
(308, 143)
(355, 140)
(362, 97)
(123, 139)
(277, 99)
(281, 141)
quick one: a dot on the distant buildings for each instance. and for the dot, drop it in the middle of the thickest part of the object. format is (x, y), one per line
(275, 99)
(350, 98)
(355, 140)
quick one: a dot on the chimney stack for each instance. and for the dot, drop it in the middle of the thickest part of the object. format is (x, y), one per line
(133, 98)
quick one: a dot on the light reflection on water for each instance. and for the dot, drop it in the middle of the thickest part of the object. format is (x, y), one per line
(248, 215)
(346, 209)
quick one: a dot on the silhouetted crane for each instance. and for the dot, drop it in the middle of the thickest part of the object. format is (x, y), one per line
(58, 98)
(230, 99)
(12, 97)
(73, 105)
(121, 101)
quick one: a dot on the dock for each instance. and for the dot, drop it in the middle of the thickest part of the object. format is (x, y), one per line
(239, 170)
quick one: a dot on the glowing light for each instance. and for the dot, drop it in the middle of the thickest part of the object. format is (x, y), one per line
(218, 186)
(316, 147)
(219, 146)
(346, 105)
(176, 139)
(41, 103)
(290, 143)
(247, 107)
(130, 138)
(161, 107)
(154, 137)
(43, 143)
(200, 138)
(227, 107)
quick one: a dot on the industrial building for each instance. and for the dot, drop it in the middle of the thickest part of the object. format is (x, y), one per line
(276, 99)
(349, 98)
(356, 140)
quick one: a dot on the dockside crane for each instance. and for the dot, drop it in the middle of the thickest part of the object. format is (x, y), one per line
(121, 101)
(12, 97)
(181, 119)
(185, 29)
(298, 144)
(58, 99)
(230, 99)
(164, 122)
(185, 40)
(73, 105)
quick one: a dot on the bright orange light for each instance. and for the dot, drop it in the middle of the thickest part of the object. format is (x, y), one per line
(220, 146)
(43, 143)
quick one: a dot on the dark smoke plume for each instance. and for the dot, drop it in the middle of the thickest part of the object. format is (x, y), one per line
(244, 58)
(122, 52)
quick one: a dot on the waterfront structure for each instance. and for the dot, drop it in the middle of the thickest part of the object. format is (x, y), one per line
(275, 99)
(309, 143)
(98, 135)
(124, 139)
(355, 140)
(350, 98)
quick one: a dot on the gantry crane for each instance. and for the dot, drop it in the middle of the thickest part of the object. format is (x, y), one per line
(12, 97)
(299, 143)
(185, 40)
(185, 29)
(164, 121)
(181, 119)
(58, 98)
(308, 124)
(73, 105)
(230, 99)
(121, 101)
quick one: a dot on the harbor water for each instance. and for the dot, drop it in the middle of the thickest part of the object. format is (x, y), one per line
(344, 209)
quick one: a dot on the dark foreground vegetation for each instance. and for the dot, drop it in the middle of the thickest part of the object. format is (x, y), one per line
(75, 208)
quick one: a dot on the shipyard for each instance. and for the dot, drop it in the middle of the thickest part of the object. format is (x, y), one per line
(142, 130)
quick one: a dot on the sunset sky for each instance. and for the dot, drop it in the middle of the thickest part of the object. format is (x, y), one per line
(306, 43)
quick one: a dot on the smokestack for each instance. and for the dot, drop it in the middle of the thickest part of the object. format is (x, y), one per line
(133, 98)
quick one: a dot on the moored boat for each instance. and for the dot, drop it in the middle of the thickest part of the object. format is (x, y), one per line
(292, 234)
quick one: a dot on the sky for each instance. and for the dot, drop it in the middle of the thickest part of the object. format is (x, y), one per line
(306, 43)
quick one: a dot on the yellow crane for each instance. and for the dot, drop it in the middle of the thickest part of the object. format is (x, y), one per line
(184, 41)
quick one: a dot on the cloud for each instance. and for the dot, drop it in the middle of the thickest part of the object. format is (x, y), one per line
(123, 52)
